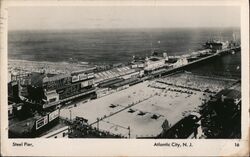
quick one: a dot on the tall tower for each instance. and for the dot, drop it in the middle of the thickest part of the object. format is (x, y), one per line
(165, 55)
(234, 37)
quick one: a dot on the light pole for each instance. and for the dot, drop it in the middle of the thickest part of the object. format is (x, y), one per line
(128, 131)
(98, 123)
(70, 115)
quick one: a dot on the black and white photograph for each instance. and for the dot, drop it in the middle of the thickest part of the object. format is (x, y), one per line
(112, 73)
(124, 72)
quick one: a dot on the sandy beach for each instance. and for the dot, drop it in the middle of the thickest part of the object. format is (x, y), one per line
(148, 100)
(51, 67)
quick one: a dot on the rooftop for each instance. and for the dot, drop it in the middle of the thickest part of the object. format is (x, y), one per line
(229, 93)
(20, 126)
(37, 78)
(56, 77)
(154, 59)
(83, 71)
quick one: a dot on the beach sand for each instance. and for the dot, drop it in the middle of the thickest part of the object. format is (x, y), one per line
(166, 104)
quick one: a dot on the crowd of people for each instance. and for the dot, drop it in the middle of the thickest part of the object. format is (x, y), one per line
(195, 82)
(83, 130)
(50, 67)
(170, 87)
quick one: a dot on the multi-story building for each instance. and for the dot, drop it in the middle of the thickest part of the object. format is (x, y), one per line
(51, 90)
(154, 63)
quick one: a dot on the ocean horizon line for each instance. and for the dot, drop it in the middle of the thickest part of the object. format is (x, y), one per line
(123, 28)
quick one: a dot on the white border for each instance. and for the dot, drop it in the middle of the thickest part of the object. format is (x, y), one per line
(123, 147)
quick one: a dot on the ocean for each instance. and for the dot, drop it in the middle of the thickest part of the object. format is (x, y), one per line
(119, 45)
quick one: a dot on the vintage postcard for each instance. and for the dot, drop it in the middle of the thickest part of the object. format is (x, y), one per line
(124, 78)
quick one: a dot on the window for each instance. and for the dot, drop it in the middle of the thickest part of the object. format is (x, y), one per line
(52, 100)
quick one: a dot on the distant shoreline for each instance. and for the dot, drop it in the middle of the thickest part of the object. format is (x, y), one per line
(108, 29)
(45, 62)
(82, 63)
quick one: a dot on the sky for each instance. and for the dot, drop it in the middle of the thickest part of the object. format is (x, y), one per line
(60, 18)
